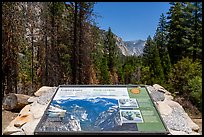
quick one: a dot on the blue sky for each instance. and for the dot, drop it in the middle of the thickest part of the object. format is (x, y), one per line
(130, 20)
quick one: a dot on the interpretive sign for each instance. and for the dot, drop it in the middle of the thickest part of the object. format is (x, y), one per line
(86, 109)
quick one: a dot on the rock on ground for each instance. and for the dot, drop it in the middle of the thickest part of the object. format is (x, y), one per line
(161, 89)
(18, 133)
(164, 108)
(32, 99)
(43, 90)
(37, 110)
(15, 101)
(22, 119)
(46, 97)
(29, 127)
(176, 119)
(30, 115)
(157, 96)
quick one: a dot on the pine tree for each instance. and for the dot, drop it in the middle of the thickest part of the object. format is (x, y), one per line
(147, 51)
(193, 17)
(38, 42)
(11, 41)
(152, 60)
(97, 53)
(161, 43)
(184, 30)
(65, 39)
(177, 40)
(82, 42)
(45, 43)
(111, 50)
(85, 41)
(156, 66)
(75, 49)
(105, 77)
(53, 61)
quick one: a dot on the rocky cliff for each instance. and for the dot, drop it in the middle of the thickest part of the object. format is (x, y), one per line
(135, 48)
(126, 48)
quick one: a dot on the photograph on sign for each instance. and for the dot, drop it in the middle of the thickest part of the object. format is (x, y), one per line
(131, 116)
(85, 114)
(128, 103)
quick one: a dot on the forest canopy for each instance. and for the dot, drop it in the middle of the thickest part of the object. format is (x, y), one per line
(56, 43)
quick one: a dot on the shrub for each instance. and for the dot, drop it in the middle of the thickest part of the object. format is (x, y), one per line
(195, 88)
(183, 71)
(146, 75)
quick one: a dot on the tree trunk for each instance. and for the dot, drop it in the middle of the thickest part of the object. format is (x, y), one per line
(80, 76)
(46, 52)
(74, 51)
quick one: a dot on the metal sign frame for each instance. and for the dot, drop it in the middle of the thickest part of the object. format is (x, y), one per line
(38, 132)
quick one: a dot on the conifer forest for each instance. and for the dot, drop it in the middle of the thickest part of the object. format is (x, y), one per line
(57, 43)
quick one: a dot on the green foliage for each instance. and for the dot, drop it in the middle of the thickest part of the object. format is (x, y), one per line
(111, 50)
(147, 52)
(131, 70)
(128, 70)
(152, 59)
(156, 66)
(120, 73)
(185, 50)
(105, 77)
(25, 62)
(184, 27)
(181, 73)
(97, 53)
(71, 43)
(97, 56)
(195, 89)
(65, 65)
(146, 76)
(161, 43)
(177, 40)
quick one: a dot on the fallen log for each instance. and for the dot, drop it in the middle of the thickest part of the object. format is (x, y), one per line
(15, 102)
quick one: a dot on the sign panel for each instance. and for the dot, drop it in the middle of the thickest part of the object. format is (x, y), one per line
(101, 109)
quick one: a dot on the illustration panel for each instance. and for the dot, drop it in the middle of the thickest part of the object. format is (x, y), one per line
(131, 116)
(128, 103)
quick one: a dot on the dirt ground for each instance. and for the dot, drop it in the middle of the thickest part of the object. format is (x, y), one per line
(7, 117)
(199, 123)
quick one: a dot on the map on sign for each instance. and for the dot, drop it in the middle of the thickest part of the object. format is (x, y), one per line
(101, 109)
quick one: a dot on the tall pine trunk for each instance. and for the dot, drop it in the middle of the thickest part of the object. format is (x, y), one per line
(80, 76)
(74, 49)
